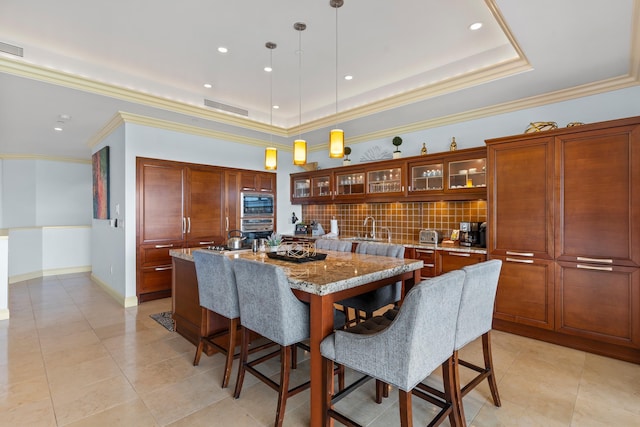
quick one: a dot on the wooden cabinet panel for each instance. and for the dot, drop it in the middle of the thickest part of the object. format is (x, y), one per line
(526, 292)
(154, 279)
(232, 202)
(160, 199)
(598, 207)
(205, 207)
(429, 258)
(520, 194)
(157, 254)
(258, 181)
(450, 260)
(601, 303)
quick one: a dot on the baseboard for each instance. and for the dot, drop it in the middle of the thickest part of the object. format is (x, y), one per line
(4, 313)
(46, 273)
(124, 301)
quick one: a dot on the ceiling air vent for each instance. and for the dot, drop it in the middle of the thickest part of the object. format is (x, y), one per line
(13, 50)
(225, 107)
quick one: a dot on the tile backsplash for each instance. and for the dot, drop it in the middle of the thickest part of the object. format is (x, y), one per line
(404, 220)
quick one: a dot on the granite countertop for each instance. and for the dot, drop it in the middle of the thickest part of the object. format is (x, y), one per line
(339, 271)
(406, 243)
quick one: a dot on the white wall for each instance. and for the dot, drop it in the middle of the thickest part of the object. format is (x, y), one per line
(4, 275)
(607, 106)
(46, 206)
(109, 254)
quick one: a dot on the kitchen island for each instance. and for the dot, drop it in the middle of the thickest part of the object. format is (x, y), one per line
(320, 283)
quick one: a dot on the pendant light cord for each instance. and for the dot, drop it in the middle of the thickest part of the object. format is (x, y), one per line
(300, 83)
(336, 67)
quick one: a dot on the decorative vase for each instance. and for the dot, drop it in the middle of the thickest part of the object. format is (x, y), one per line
(397, 154)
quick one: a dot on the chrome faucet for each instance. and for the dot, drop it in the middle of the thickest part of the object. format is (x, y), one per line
(388, 230)
(373, 225)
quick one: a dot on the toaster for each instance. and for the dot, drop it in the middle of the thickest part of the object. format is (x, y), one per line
(428, 236)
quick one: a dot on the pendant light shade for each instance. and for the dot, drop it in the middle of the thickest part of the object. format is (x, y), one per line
(270, 153)
(336, 136)
(300, 145)
(336, 143)
(270, 158)
(299, 152)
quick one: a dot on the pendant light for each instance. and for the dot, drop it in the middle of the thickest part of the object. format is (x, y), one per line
(300, 145)
(336, 136)
(270, 153)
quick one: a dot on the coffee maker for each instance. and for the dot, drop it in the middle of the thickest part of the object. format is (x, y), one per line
(473, 234)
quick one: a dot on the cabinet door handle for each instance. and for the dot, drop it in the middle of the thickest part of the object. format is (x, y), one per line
(530, 254)
(226, 222)
(189, 226)
(409, 189)
(206, 243)
(522, 261)
(430, 265)
(593, 267)
(458, 254)
(162, 268)
(184, 225)
(163, 246)
(420, 251)
(602, 260)
(403, 188)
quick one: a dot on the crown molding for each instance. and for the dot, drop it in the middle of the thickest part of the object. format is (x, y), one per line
(607, 85)
(122, 117)
(37, 157)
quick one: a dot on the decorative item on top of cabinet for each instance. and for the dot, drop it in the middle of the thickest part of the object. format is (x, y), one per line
(541, 127)
(347, 160)
(423, 150)
(453, 146)
(397, 141)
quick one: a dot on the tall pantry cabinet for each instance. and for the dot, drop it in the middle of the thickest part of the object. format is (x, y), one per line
(564, 216)
(179, 205)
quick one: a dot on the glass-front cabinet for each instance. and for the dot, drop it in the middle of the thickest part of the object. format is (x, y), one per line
(321, 186)
(466, 174)
(349, 184)
(385, 181)
(426, 177)
(301, 187)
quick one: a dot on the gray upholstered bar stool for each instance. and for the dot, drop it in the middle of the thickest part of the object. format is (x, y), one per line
(474, 321)
(217, 292)
(375, 300)
(405, 350)
(269, 308)
(334, 245)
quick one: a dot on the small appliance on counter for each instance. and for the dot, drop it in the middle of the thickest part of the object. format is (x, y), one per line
(428, 236)
(302, 229)
(473, 234)
(316, 229)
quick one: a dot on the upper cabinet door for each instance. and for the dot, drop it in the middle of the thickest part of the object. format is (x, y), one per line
(161, 202)
(520, 198)
(598, 203)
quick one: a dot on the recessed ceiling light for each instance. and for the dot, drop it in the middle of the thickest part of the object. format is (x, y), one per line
(268, 69)
(275, 107)
(475, 26)
(58, 129)
(348, 77)
(223, 49)
(208, 85)
(64, 117)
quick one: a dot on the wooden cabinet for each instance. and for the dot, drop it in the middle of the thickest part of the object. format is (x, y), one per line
(526, 292)
(568, 200)
(598, 202)
(258, 181)
(179, 205)
(232, 200)
(420, 178)
(428, 257)
(599, 302)
(454, 260)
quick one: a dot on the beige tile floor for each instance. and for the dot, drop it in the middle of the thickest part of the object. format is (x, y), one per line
(70, 355)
